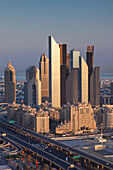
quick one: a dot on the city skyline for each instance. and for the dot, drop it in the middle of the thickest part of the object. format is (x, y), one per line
(25, 27)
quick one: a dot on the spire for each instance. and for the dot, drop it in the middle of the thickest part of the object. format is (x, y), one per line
(9, 63)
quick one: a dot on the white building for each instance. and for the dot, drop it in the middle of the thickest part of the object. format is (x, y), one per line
(54, 72)
(83, 79)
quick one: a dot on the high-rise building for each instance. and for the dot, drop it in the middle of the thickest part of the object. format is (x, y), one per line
(72, 78)
(68, 62)
(83, 81)
(95, 87)
(63, 72)
(74, 59)
(10, 83)
(90, 58)
(72, 87)
(32, 88)
(90, 63)
(44, 77)
(54, 73)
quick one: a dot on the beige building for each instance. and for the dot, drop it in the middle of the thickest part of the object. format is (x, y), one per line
(32, 88)
(42, 122)
(10, 83)
(54, 73)
(82, 116)
(54, 114)
(79, 117)
(22, 115)
(104, 116)
(44, 77)
(83, 79)
(63, 128)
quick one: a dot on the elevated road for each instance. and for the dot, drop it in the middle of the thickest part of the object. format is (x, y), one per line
(51, 158)
(94, 158)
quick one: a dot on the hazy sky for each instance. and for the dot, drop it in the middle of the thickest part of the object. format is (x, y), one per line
(26, 24)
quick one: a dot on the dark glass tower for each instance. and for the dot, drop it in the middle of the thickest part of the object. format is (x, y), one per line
(90, 63)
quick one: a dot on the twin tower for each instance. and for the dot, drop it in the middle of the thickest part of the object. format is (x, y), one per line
(63, 77)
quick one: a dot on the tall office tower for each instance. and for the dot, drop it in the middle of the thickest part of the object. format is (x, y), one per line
(83, 81)
(68, 62)
(111, 90)
(95, 87)
(74, 59)
(90, 63)
(90, 58)
(32, 88)
(63, 72)
(10, 83)
(72, 79)
(72, 87)
(44, 77)
(54, 72)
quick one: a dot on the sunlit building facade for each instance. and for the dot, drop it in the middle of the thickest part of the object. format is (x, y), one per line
(83, 81)
(44, 77)
(74, 59)
(54, 73)
(32, 88)
(10, 83)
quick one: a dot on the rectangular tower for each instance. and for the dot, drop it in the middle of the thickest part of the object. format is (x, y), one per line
(63, 72)
(83, 81)
(74, 59)
(90, 63)
(44, 77)
(95, 87)
(72, 87)
(54, 72)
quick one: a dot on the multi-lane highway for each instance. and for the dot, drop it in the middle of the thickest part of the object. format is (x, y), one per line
(48, 156)
(93, 158)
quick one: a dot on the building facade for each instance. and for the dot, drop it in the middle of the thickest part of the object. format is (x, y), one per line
(44, 77)
(63, 72)
(77, 118)
(74, 59)
(10, 83)
(42, 121)
(83, 81)
(54, 73)
(32, 88)
(72, 87)
(95, 87)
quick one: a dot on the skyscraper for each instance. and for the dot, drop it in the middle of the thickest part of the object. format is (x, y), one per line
(90, 63)
(72, 87)
(90, 58)
(95, 87)
(32, 88)
(44, 77)
(93, 78)
(10, 83)
(83, 81)
(72, 79)
(68, 62)
(63, 72)
(74, 59)
(54, 73)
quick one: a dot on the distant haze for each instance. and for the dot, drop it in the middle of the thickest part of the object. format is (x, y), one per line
(26, 25)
